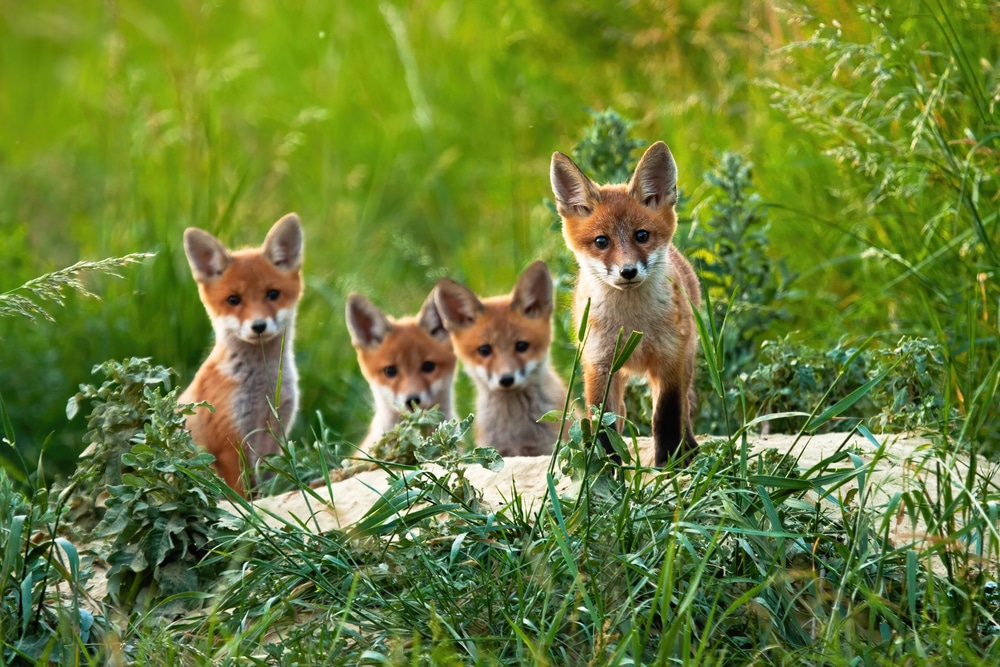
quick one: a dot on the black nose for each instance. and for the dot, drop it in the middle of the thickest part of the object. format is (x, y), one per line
(259, 327)
(506, 380)
(413, 401)
(629, 272)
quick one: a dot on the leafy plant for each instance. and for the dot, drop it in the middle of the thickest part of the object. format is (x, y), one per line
(159, 492)
(747, 289)
(794, 377)
(444, 447)
(910, 397)
(403, 442)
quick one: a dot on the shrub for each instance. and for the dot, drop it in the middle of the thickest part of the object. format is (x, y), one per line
(160, 517)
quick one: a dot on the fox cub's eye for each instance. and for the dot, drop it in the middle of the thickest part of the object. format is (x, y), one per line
(484, 350)
(428, 367)
(641, 236)
(273, 294)
(233, 299)
(390, 371)
(602, 242)
(521, 346)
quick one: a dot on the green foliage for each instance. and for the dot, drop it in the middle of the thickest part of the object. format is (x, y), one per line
(747, 289)
(160, 515)
(911, 396)
(736, 559)
(793, 377)
(300, 462)
(424, 436)
(38, 622)
(605, 153)
(403, 442)
(120, 413)
(906, 109)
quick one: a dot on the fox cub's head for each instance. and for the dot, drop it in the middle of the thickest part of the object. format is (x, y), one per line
(620, 234)
(249, 294)
(408, 362)
(502, 340)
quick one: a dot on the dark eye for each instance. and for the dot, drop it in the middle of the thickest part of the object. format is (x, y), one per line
(390, 371)
(428, 367)
(521, 346)
(273, 294)
(641, 236)
(602, 242)
(484, 350)
(233, 299)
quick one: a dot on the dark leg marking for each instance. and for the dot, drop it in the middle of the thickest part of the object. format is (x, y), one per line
(669, 425)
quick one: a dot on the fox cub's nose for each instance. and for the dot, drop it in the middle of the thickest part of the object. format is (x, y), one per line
(629, 272)
(259, 327)
(506, 380)
(413, 401)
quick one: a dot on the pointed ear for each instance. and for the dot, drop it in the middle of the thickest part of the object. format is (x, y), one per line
(532, 294)
(429, 319)
(367, 324)
(654, 183)
(283, 246)
(576, 195)
(458, 306)
(206, 255)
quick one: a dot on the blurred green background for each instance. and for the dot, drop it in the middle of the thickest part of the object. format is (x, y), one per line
(414, 139)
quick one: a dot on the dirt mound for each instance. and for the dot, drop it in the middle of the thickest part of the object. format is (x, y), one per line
(347, 501)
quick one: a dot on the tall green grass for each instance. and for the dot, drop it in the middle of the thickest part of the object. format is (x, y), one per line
(413, 141)
(906, 108)
(738, 557)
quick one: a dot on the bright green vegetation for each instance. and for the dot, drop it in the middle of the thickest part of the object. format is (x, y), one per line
(839, 200)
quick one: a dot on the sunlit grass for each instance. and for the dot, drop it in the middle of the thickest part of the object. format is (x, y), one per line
(414, 141)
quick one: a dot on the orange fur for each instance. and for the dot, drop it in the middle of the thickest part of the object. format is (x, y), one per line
(251, 297)
(503, 342)
(408, 362)
(634, 278)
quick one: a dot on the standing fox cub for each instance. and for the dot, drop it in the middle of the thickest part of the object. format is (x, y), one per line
(634, 278)
(408, 363)
(250, 296)
(503, 343)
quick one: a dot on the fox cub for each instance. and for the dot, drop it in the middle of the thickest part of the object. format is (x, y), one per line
(251, 296)
(408, 362)
(634, 278)
(503, 343)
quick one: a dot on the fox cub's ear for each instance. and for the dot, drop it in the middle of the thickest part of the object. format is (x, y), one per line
(532, 294)
(429, 319)
(576, 195)
(654, 183)
(457, 304)
(206, 255)
(367, 324)
(283, 246)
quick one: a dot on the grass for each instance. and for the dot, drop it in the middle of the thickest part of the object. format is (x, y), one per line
(414, 142)
(132, 123)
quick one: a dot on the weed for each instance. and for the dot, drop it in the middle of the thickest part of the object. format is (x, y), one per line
(158, 517)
